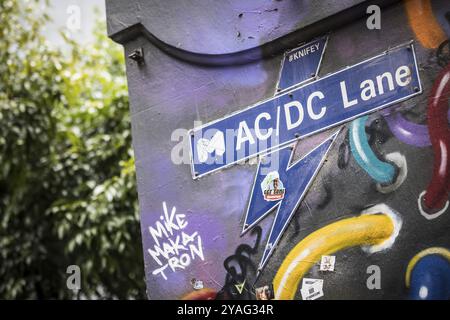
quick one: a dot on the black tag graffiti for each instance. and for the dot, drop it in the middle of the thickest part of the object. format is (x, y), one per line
(241, 271)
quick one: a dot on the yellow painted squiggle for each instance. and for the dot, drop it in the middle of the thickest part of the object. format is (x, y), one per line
(365, 230)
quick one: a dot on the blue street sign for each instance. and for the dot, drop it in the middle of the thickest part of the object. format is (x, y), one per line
(301, 64)
(327, 102)
(281, 184)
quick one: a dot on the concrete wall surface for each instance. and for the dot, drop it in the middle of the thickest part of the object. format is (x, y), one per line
(204, 60)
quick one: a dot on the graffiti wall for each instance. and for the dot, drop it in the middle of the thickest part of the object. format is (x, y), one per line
(350, 201)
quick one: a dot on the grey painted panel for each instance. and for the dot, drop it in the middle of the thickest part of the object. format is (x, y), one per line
(218, 27)
(167, 94)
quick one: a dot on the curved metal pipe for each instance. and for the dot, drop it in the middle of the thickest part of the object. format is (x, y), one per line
(268, 49)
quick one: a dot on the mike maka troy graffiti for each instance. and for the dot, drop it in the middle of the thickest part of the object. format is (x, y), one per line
(270, 127)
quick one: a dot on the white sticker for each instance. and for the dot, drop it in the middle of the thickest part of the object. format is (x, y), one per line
(198, 284)
(207, 146)
(312, 289)
(327, 263)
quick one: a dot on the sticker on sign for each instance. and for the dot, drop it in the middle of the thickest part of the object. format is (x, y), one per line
(337, 98)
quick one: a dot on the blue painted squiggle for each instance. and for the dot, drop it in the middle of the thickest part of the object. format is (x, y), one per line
(430, 279)
(382, 172)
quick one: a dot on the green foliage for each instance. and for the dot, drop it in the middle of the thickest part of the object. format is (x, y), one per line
(67, 179)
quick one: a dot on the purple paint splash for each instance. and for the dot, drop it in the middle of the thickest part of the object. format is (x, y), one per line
(409, 132)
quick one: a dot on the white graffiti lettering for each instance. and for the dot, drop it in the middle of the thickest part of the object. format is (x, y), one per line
(173, 249)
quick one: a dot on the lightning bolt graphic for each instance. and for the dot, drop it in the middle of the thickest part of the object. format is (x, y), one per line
(296, 178)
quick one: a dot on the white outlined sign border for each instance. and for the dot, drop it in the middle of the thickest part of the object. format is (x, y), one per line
(191, 132)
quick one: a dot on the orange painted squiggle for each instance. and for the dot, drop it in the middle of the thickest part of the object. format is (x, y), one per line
(424, 24)
(202, 294)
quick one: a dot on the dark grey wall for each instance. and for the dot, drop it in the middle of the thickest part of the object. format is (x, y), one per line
(168, 92)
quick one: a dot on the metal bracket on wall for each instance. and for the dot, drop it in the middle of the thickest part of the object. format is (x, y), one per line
(137, 55)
